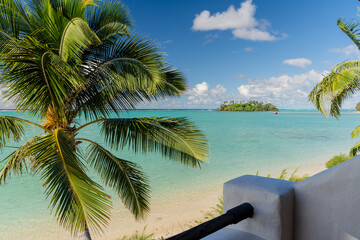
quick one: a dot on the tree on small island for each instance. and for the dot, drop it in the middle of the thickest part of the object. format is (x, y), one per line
(249, 106)
(357, 108)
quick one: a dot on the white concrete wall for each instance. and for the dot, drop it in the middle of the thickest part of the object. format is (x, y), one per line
(273, 202)
(327, 205)
(323, 207)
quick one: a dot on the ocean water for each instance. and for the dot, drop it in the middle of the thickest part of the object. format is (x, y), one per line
(240, 143)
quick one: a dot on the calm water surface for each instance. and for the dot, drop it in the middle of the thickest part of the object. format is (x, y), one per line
(240, 142)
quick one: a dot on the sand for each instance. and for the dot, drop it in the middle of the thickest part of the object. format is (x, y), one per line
(175, 214)
(168, 215)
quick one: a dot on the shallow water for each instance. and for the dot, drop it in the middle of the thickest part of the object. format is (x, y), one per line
(240, 142)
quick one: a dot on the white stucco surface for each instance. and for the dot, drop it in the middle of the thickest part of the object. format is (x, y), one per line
(327, 205)
(323, 207)
(273, 202)
(232, 234)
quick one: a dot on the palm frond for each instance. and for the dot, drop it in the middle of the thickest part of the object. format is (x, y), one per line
(125, 177)
(124, 74)
(77, 36)
(76, 199)
(350, 28)
(173, 83)
(109, 13)
(175, 138)
(329, 94)
(16, 162)
(355, 133)
(136, 58)
(35, 78)
(14, 18)
(11, 129)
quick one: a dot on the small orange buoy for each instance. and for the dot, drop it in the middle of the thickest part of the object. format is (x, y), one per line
(275, 113)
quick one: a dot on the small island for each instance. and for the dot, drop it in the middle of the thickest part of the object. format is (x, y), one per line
(250, 106)
(357, 108)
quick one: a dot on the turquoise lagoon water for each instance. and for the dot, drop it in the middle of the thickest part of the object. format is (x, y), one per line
(240, 143)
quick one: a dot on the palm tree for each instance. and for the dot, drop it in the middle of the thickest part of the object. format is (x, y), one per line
(342, 82)
(65, 59)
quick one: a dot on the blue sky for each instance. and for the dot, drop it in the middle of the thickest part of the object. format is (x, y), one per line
(272, 51)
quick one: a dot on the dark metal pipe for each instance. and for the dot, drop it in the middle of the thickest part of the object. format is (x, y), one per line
(232, 216)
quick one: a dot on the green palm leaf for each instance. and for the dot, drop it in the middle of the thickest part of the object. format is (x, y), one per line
(175, 138)
(16, 162)
(11, 129)
(77, 36)
(329, 94)
(350, 28)
(109, 18)
(355, 133)
(173, 83)
(125, 177)
(36, 79)
(124, 74)
(14, 19)
(77, 200)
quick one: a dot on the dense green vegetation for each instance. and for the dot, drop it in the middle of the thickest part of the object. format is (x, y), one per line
(357, 108)
(337, 160)
(65, 59)
(249, 106)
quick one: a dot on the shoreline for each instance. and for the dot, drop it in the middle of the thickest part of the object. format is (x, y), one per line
(168, 216)
(174, 215)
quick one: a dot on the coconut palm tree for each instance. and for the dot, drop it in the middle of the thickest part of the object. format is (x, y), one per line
(65, 59)
(342, 82)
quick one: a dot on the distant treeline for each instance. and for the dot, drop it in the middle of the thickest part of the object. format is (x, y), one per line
(250, 106)
(357, 108)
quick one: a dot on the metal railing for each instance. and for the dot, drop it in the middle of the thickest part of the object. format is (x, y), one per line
(232, 216)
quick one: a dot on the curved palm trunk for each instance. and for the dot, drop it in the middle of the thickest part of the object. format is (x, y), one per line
(85, 235)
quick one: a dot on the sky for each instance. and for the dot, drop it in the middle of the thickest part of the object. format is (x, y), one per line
(272, 51)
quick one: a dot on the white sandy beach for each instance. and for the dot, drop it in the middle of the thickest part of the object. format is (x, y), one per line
(167, 217)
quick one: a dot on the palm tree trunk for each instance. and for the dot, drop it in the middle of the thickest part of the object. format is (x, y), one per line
(85, 235)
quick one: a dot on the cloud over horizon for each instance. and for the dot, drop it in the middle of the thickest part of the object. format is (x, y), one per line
(201, 94)
(280, 89)
(241, 22)
(285, 91)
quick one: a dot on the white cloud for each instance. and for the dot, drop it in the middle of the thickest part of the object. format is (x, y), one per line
(230, 19)
(200, 89)
(248, 49)
(253, 34)
(201, 94)
(218, 90)
(4, 104)
(348, 51)
(299, 62)
(241, 21)
(284, 89)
